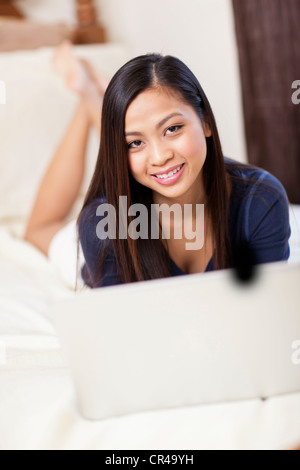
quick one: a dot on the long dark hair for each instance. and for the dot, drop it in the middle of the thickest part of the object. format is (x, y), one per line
(148, 259)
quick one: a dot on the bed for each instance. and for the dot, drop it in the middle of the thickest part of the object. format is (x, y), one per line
(37, 402)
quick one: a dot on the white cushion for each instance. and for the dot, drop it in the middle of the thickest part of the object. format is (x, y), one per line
(37, 112)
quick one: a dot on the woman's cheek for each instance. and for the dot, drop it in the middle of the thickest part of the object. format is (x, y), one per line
(194, 147)
(137, 167)
(187, 146)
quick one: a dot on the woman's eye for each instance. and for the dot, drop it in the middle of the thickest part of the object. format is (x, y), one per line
(173, 129)
(134, 145)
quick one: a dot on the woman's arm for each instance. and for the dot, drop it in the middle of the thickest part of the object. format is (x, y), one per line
(61, 184)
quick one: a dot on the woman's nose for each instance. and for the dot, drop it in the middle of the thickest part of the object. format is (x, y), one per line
(159, 154)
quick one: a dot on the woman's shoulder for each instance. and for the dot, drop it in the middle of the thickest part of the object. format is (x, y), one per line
(96, 246)
(250, 181)
(259, 211)
(91, 208)
(88, 215)
(88, 223)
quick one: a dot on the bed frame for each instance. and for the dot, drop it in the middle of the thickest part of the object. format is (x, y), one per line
(17, 32)
(8, 9)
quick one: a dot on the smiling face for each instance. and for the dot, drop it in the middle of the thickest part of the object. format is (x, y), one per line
(166, 146)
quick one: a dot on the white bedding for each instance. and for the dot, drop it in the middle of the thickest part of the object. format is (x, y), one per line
(37, 403)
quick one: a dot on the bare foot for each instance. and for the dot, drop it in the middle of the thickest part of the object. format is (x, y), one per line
(99, 79)
(81, 77)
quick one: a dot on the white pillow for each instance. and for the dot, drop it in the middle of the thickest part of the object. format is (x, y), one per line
(37, 112)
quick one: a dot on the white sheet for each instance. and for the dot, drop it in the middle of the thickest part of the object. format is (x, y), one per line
(37, 404)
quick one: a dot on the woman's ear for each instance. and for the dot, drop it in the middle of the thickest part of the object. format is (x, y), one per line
(206, 129)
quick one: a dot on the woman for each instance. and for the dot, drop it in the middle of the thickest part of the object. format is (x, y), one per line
(160, 145)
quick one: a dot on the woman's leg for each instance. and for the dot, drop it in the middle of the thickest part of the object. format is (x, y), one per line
(80, 76)
(61, 184)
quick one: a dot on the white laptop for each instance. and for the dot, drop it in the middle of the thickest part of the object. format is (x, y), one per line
(183, 341)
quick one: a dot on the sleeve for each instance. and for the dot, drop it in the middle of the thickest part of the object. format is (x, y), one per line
(268, 228)
(93, 248)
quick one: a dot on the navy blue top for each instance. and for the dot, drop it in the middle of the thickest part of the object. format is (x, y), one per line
(259, 215)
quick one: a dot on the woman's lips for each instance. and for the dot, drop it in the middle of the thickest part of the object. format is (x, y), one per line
(168, 170)
(171, 179)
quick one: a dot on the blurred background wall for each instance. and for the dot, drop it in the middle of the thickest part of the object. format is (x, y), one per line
(268, 37)
(245, 53)
(200, 32)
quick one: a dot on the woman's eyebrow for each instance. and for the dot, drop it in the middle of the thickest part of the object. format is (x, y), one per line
(127, 134)
(161, 123)
(166, 119)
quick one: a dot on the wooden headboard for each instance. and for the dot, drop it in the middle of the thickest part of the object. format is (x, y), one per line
(17, 32)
